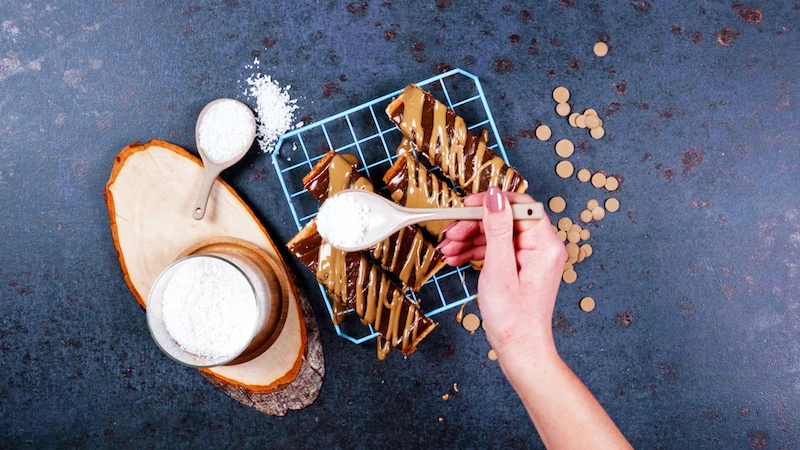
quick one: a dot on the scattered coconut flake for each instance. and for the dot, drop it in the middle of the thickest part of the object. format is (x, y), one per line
(274, 109)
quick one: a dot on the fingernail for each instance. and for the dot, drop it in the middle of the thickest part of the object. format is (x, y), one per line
(443, 244)
(449, 226)
(494, 199)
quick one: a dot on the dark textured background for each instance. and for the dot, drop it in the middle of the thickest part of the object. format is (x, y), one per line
(694, 341)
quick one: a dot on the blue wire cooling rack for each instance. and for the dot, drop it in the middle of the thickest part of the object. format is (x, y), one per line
(366, 132)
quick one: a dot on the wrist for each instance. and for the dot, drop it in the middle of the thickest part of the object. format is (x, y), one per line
(525, 359)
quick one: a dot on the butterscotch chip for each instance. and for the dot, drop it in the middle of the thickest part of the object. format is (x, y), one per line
(585, 234)
(563, 109)
(598, 180)
(574, 237)
(572, 252)
(543, 132)
(565, 169)
(611, 184)
(569, 276)
(575, 227)
(612, 205)
(592, 121)
(586, 216)
(590, 112)
(568, 266)
(601, 49)
(564, 224)
(572, 118)
(598, 213)
(560, 94)
(562, 235)
(580, 121)
(445, 396)
(581, 255)
(492, 355)
(584, 175)
(587, 304)
(565, 148)
(598, 132)
(592, 204)
(587, 250)
(471, 322)
(557, 204)
(555, 229)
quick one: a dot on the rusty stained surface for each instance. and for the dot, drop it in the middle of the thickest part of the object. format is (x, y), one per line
(694, 342)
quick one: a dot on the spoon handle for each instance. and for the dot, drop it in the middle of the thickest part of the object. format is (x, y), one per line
(521, 211)
(209, 176)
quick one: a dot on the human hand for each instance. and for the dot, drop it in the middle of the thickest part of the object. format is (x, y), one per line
(519, 282)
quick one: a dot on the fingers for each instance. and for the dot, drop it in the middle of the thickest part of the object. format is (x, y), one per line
(473, 254)
(452, 247)
(463, 230)
(500, 267)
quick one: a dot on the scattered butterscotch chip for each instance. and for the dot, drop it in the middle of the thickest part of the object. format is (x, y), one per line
(560, 94)
(492, 355)
(612, 205)
(584, 175)
(592, 204)
(575, 227)
(543, 132)
(586, 216)
(581, 255)
(471, 322)
(557, 204)
(598, 132)
(572, 252)
(565, 148)
(565, 169)
(601, 49)
(564, 224)
(590, 112)
(563, 109)
(592, 121)
(580, 121)
(585, 234)
(555, 229)
(598, 213)
(587, 250)
(587, 304)
(562, 235)
(598, 180)
(568, 266)
(572, 118)
(441, 419)
(574, 237)
(611, 184)
(569, 276)
(445, 396)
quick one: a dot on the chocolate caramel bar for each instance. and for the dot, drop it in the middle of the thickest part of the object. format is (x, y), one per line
(444, 139)
(411, 185)
(406, 254)
(360, 284)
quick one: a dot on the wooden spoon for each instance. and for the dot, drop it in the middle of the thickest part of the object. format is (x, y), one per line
(212, 168)
(387, 217)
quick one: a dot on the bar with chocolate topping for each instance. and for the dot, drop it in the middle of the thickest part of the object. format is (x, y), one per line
(406, 254)
(360, 284)
(411, 185)
(444, 139)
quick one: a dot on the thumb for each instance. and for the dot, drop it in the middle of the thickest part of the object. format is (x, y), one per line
(498, 226)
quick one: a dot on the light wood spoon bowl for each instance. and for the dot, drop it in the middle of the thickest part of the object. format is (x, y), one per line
(387, 217)
(212, 168)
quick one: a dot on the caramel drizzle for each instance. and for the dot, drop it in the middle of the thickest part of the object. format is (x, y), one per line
(447, 151)
(410, 264)
(426, 190)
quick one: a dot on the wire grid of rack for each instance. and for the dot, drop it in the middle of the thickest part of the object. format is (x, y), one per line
(366, 132)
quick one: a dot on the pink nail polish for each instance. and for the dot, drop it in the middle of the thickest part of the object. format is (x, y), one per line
(494, 199)
(442, 244)
(449, 226)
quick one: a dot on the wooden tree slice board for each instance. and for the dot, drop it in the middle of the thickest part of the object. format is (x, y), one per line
(150, 195)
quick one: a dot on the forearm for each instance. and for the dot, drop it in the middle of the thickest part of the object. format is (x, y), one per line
(565, 413)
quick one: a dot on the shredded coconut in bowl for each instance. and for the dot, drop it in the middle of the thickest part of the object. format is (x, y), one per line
(342, 221)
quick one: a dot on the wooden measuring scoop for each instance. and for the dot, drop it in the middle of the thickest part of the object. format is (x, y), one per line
(386, 217)
(212, 168)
